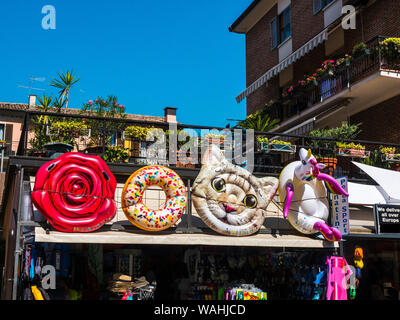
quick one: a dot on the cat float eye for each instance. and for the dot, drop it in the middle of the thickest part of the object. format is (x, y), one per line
(218, 185)
(250, 201)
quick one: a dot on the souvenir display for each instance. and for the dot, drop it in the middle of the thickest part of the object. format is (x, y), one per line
(228, 198)
(304, 195)
(132, 198)
(75, 192)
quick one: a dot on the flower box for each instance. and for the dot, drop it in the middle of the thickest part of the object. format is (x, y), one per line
(348, 152)
(282, 147)
(262, 146)
(215, 140)
(391, 157)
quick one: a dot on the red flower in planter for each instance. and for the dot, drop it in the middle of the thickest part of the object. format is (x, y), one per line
(75, 192)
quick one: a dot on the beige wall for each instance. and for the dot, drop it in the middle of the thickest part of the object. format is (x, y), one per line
(16, 130)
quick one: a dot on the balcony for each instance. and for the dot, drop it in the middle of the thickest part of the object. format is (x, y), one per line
(358, 83)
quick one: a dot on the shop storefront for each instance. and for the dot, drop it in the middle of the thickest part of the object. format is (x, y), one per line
(191, 259)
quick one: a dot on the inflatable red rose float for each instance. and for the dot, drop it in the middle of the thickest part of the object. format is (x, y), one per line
(75, 192)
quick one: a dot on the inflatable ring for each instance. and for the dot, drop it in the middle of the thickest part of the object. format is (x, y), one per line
(75, 192)
(132, 195)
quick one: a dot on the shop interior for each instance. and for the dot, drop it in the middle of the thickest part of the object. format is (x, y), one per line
(150, 272)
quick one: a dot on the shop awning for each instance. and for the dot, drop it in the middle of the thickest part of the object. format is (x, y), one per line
(172, 238)
(364, 194)
(389, 180)
(310, 45)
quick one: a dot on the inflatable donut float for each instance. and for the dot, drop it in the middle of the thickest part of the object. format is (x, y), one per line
(132, 198)
(75, 192)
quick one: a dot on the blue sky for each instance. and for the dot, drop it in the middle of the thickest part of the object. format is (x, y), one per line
(151, 54)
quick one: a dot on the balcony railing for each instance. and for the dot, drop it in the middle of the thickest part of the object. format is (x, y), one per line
(373, 59)
(109, 139)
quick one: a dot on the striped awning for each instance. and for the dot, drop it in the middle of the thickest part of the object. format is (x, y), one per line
(310, 45)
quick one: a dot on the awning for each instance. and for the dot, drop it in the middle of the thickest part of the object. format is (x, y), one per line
(310, 45)
(364, 194)
(389, 180)
(171, 238)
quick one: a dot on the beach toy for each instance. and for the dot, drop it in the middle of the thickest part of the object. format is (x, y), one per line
(75, 192)
(228, 198)
(132, 198)
(304, 196)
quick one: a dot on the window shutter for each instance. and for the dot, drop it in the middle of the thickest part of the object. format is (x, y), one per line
(317, 4)
(274, 33)
(8, 139)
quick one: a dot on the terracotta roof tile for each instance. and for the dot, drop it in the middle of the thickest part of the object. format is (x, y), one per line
(26, 107)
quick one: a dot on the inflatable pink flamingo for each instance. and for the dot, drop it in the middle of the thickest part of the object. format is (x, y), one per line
(305, 197)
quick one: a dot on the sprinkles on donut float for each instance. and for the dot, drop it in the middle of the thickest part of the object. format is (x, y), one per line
(132, 198)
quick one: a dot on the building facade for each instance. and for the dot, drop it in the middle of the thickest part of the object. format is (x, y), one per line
(288, 40)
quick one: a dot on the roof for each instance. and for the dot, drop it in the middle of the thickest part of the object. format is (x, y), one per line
(243, 15)
(72, 111)
(254, 12)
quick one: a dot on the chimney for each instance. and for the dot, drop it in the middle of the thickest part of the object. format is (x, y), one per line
(32, 100)
(170, 114)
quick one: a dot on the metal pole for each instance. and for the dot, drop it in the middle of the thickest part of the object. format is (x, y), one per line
(189, 207)
(17, 252)
(2, 158)
(104, 137)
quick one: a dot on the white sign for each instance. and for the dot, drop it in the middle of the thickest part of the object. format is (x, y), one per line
(340, 209)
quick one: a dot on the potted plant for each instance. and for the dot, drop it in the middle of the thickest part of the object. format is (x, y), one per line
(64, 135)
(107, 108)
(360, 50)
(262, 143)
(351, 149)
(390, 49)
(215, 138)
(344, 61)
(116, 154)
(324, 149)
(388, 152)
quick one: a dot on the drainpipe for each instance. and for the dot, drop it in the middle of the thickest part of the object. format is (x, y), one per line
(18, 251)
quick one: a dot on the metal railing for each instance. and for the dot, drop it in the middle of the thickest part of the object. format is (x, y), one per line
(108, 138)
(372, 59)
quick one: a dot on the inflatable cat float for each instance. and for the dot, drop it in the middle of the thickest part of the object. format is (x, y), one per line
(228, 198)
(304, 195)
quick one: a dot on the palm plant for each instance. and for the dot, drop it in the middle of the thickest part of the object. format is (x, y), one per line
(58, 103)
(64, 83)
(259, 122)
(45, 102)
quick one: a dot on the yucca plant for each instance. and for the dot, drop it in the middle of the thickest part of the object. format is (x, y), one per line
(64, 84)
(259, 122)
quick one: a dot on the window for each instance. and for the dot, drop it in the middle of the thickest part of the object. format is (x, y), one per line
(318, 5)
(284, 25)
(280, 28)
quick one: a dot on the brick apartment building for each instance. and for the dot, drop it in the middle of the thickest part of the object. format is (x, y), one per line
(288, 39)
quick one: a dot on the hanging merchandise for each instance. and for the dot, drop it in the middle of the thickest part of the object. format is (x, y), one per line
(75, 192)
(127, 295)
(358, 256)
(36, 293)
(228, 198)
(132, 198)
(304, 196)
(338, 274)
